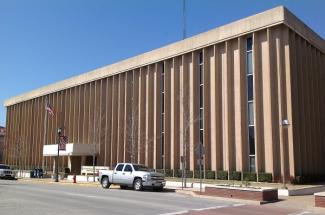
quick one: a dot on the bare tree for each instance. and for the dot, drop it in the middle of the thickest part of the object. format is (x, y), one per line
(131, 134)
(188, 120)
(136, 141)
(17, 154)
(96, 137)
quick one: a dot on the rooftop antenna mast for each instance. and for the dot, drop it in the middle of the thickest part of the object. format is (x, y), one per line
(184, 19)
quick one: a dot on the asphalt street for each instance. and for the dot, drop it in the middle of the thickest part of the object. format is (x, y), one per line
(27, 198)
(21, 197)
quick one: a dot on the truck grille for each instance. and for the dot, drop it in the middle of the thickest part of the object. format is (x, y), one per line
(157, 178)
(8, 172)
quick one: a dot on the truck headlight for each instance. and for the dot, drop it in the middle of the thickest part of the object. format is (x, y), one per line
(146, 177)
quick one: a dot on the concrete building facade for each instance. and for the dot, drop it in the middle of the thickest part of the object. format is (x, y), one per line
(2, 142)
(251, 92)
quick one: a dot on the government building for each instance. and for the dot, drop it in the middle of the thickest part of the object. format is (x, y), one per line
(248, 96)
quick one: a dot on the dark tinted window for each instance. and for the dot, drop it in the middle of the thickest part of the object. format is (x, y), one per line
(119, 167)
(250, 88)
(4, 167)
(162, 122)
(252, 164)
(249, 63)
(201, 96)
(200, 58)
(162, 103)
(141, 168)
(201, 137)
(250, 113)
(127, 168)
(251, 134)
(249, 44)
(162, 82)
(162, 144)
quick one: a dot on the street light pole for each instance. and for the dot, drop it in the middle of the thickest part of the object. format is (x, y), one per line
(57, 157)
(284, 124)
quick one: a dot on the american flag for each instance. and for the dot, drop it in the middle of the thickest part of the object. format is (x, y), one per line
(48, 108)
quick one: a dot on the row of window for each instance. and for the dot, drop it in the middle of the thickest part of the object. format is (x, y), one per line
(201, 99)
(162, 113)
(250, 102)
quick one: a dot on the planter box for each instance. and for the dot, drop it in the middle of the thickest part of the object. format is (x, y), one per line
(320, 200)
(261, 195)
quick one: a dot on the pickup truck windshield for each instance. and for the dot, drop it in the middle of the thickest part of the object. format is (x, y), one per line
(4, 167)
(141, 168)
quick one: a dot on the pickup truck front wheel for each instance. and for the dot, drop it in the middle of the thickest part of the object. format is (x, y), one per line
(105, 183)
(137, 185)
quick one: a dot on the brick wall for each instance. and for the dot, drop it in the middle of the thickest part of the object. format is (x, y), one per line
(265, 195)
(320, 201)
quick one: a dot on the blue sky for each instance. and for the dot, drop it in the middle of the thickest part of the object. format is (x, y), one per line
(43, 41)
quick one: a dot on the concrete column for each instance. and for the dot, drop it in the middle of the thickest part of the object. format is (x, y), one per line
(258, 100)
(194, 110)
(268, 100)
(157, 117)
(288, 93)
(150, 117)
(239, 80)
(225, 107)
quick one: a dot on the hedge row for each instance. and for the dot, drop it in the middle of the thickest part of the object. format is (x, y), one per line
(220, 175)
(304, 179)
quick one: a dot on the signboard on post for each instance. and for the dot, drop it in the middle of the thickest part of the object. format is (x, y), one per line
(63, 143)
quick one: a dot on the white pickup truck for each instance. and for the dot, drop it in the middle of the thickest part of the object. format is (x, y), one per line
(6, 172)
(132, 175)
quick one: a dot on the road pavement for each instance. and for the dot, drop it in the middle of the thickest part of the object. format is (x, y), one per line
(23, 197)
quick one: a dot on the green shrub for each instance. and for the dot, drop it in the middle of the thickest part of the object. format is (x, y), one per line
(166, 172)
(178, 173)
(249, 176)
(197, 174)
(189, 174)
(209, 174)
(169, 173)
(160, 171)
(304, 179)
(222, 175)
(264, 177)
(234, 175)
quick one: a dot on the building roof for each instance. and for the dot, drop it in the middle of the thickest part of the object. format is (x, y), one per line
(272, 17)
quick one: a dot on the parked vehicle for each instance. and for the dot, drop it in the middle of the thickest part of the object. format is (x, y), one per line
(132, 175)
(6, 172)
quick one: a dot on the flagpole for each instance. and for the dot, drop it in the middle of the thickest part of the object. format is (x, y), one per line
(45, 132)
